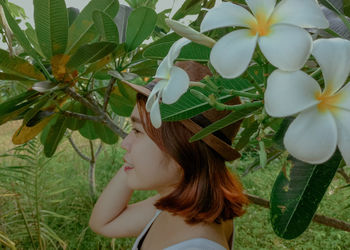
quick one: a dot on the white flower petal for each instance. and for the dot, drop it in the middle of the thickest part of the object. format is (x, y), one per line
(260, 7)
(156, 119)
(288, 93)
(303, 13)
(190, 33)
(175, 49)
(342, 119)
(152, 97)
(225, 15)
(177, 85)
(333, 56)
(163, 69)
(286, 46)
(231, 55)
(343, 98)
(312, 136)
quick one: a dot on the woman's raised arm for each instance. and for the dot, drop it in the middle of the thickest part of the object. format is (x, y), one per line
(113, 217)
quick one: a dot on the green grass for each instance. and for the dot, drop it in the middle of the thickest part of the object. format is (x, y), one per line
(253, 230)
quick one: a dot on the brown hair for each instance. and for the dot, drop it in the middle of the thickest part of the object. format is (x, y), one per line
(208, 191)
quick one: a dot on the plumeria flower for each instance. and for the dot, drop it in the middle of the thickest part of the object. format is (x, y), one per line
(173, 83)
(323, 115)
(277, 29)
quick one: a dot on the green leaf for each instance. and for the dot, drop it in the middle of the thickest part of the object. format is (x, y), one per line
(18, 33)
(46, 130)
(172, 37)
(40, 104)
(296, 195)
(224, 122)
(188, 106)
(82, 30)
(18, 66)
(246, 134)
(90, 53)
(74, 123)
(11, 77)
(278, 138)
(15, 102)
(146, 68)
(106, 26)
(73, 13)
(123, 99)
(141, 23)
(256, 72)
(88, 130)
(51, 24)
(191, 51)
(55, 135)
(105, 133)
(31, 35)
(189, 7)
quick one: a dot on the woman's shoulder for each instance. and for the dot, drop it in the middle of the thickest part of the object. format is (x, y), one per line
(197, 244)
(175, 232)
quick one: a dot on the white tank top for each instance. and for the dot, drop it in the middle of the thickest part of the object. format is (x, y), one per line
(192, 244)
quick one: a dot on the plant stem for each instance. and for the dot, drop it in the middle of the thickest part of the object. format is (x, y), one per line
(92, 181)
(240, 93)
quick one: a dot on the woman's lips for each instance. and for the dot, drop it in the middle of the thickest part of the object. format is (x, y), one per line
(127, 168)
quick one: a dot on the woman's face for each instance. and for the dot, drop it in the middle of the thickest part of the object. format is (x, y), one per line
(146, 166)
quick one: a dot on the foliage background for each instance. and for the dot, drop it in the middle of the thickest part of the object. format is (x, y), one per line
(253, 230)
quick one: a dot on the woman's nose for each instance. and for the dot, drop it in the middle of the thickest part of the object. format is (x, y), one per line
(125, 143)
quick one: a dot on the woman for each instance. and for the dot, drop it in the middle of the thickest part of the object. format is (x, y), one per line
(197, 195)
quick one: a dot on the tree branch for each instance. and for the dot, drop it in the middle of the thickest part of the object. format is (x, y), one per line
(77, 149)
(91, 104)
(321, 219)
(80, 116)
(99, 149)
(108, 93)
(342, 172)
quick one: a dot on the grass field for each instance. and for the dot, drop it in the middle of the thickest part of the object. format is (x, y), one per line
(70, 206)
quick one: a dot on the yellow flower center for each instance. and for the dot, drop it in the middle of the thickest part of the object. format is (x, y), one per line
(261, 25)
(328, 100)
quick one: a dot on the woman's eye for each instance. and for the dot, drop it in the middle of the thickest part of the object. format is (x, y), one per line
(136, 131)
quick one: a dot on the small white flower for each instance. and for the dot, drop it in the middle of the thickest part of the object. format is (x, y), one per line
(277, 29)
(173, 83)
(323, 116)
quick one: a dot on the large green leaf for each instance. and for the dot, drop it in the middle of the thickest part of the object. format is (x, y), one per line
(297, 193)
(82, 30)
(188, 106)
(172, 37)
(123, 99)
(55, 135)
(18, 66)
(15, 102)
(72, 15)
(18, 33)
(31, 35)
(74, 123)
(42, 101)
(141, 23)
(90, 53)
(105, 134)
(11, 77)
(189, 7)
(191, 51)
(224, 122)
(88, 130)
(51, 24)
(106, 26)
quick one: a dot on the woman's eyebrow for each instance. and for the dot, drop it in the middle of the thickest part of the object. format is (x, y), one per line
(135, 119)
